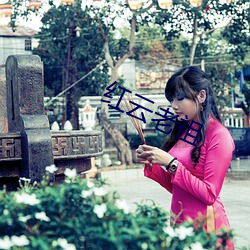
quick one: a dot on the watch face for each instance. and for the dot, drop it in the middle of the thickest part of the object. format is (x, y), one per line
(173, 166)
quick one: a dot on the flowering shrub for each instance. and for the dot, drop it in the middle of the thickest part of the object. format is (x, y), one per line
(79, 214)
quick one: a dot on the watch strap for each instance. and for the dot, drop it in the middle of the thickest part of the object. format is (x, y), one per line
(169, 164)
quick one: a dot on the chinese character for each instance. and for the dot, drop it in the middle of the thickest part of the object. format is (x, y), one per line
(188, 133)
(132, 111)
(145, 98)
(110, 91)
(182, 126)
(166, 118)
(116, 107)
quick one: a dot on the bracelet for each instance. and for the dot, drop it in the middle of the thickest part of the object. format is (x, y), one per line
(169, 164)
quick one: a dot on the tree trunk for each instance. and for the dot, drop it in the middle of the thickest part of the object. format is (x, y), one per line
(72, 111)
(194, 41)
(70, 77)
(122, 145)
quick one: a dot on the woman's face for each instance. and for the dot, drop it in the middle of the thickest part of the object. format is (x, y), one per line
(185, 107)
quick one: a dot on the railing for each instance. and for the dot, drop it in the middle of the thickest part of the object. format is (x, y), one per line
(233, 118)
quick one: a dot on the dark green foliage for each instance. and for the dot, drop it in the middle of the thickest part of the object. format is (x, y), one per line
(237, 33)
(86, 49)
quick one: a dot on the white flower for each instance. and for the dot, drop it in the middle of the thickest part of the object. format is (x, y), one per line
(100, 191)
(196, 246)
(144, 245)
(42, 216)
(182, 232)
(5, 212)
(70, 173)
(24, 179)
(25, 198)
(5, 243)
(90, 184)
(20, 241)
(24, 218)
(99, 210)
(51, 169)
(122, 204)
(63, 243)
(86, 193)
(70, 247)
(170, 231)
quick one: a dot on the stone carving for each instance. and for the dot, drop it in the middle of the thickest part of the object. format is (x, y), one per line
(10, 147)
(25, 113)
(64, 146)
(81, 145)
(29, 146)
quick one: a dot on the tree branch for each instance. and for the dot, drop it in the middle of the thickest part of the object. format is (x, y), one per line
(194, 41)
(211, 30)
(131, 43)
(108, 57)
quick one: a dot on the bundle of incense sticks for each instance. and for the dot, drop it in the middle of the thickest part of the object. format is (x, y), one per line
(128, 106)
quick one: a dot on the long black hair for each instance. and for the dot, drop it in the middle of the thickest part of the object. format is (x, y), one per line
(187, 83)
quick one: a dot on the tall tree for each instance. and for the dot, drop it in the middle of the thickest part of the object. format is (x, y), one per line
(197, 22)
(237, 33)
(238, 36)
(70, 47)
(60, 25)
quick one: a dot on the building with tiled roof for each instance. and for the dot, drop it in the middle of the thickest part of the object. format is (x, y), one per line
(15, 42)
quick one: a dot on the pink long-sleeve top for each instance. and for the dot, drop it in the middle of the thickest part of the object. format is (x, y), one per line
(194, 189)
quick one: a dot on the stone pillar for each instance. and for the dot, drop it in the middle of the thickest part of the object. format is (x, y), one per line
(25, 113)
(3, 119)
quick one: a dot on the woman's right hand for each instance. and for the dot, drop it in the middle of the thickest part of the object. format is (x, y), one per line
(139, 156)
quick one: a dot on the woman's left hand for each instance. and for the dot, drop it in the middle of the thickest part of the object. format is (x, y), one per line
(154, 155)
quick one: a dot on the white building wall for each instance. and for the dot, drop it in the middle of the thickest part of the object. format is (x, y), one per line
(127, 71)
(12, 46)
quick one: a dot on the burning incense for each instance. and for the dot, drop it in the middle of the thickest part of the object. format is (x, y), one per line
(128, 106)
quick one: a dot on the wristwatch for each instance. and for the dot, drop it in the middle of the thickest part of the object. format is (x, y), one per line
(172, 166)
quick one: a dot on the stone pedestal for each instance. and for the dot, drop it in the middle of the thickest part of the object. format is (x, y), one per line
(29, 147)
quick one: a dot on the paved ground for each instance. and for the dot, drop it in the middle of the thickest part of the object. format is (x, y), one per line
(132, 186)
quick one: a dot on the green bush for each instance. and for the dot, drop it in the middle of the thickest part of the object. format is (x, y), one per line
(79, 214)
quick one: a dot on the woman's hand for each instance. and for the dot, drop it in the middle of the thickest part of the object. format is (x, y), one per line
(140, 156)
(148, 154)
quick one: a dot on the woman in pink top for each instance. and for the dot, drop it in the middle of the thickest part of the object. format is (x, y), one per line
(193, 163)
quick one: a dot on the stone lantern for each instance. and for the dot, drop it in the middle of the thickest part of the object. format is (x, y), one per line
(87, 116)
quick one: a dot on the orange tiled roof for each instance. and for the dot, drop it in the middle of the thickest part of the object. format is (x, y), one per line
(88, 108)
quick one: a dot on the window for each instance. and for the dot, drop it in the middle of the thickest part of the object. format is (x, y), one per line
(27, 44)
